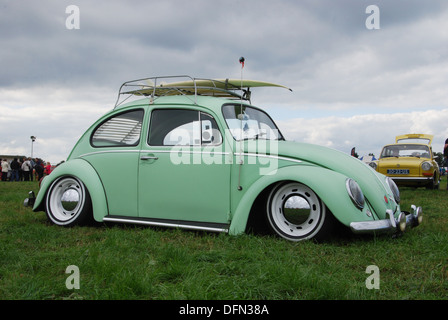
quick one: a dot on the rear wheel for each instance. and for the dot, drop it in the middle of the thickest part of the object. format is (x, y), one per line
(68, 202)
(295, 212)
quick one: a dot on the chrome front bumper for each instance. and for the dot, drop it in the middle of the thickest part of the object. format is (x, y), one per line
(390, 225)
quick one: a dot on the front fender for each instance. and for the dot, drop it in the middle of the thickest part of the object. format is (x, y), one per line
(328, 185)
(86, 173)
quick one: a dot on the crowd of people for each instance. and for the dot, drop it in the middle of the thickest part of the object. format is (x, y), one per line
(24, 169)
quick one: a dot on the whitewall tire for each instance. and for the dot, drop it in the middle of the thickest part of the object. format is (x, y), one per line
(295, 212)
(68, 202)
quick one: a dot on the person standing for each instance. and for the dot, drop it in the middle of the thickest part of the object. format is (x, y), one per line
(48, 168)
(445, 151)
(26, 168)
(15, 166)
(5, 169)
(445, 156)
(39, 167)
(21, 160)
(32, 164)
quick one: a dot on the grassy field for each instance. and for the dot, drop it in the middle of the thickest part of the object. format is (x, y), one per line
(129, 262)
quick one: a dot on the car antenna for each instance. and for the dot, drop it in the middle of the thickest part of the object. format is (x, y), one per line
(241, 161)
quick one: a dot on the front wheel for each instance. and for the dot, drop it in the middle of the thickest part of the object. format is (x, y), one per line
(434, 184)
(295, 212)
(68, 202)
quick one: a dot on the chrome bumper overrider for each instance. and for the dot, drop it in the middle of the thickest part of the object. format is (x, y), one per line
(390, 225)
(29, 202)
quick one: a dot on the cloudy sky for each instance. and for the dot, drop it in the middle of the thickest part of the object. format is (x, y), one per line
(353, 85)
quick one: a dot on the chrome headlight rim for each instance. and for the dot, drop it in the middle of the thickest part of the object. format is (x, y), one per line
(426, 166)
(355, 193)
(394, 188)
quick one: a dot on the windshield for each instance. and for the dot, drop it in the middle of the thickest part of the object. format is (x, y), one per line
(246, 123)
(406, 150)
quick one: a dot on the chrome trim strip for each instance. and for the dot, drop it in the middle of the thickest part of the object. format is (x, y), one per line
(193, 152)
(154, 151)
(186, 151)
(266, 156)
(108, 151)
(174, 224)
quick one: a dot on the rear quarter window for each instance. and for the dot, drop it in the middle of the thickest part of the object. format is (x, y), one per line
(120, 130)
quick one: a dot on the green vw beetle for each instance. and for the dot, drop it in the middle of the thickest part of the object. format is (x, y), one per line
(196, 154)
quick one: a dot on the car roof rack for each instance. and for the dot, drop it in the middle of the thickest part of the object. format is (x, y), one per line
(154, 87)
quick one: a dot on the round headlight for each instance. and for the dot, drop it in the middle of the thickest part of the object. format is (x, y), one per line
(355, 193)
(426, 166)
(393, 187)
(373, 165)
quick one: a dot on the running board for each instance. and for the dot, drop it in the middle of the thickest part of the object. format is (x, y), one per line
(192, 225)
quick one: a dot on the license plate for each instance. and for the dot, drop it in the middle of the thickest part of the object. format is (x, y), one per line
(397, 171)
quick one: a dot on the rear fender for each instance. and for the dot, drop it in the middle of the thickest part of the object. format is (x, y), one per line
(86, 173)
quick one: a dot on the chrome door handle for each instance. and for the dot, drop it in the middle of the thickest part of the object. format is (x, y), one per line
(149, 158)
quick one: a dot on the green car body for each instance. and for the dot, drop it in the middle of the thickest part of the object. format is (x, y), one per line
(223, 184)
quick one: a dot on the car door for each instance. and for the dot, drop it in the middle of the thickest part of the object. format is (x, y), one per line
(184, 171)
(115, 157)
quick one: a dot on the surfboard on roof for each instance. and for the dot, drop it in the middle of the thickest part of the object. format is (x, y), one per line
(212, 87)
(155, 87)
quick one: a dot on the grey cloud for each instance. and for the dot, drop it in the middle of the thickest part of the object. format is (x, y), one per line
(321, 49)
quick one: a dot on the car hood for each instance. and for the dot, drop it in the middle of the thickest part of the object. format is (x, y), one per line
(329, 158)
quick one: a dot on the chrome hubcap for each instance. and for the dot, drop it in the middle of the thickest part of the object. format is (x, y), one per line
(66, 199)
(296, 210)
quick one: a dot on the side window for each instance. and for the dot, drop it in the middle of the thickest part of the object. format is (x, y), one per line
(175, 127)
(121, 130)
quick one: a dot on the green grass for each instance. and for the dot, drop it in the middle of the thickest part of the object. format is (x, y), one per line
(130, 262)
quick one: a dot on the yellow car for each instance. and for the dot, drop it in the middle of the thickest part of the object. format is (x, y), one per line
(410, 161)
